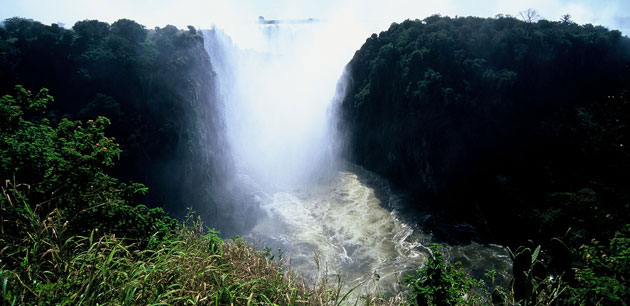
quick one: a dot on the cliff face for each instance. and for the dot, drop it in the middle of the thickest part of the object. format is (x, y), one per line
(156, 86)
(492, 118)
(193, 172)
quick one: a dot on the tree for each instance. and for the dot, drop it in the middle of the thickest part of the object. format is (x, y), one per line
(566, 19)
(129, 30)
(65, 167)
(529, 16)
(91, 30)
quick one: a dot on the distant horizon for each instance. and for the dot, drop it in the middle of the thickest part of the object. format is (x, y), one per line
(612, 14)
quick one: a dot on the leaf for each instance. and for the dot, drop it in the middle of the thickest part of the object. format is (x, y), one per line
(535, 254)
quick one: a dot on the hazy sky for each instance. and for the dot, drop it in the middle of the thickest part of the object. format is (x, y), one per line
(614, 14)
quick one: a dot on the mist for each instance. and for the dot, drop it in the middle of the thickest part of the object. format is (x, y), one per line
(277, 83)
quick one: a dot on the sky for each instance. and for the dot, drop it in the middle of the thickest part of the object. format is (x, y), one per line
(613, 14)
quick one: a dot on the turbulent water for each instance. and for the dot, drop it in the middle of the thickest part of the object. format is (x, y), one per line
(345, 226)
(326, 218)
(339, 227)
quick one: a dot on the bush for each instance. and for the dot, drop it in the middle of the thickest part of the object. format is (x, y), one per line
(440, 283)
(63, 169)
(603, 273)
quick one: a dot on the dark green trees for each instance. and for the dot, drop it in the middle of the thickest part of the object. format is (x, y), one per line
(129, 30)
(61, 170)
(495, 118)
(519, 128)
(156, 86)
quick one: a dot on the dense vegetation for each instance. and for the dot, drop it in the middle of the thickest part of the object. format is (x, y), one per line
(70, 234)
(519, 127)
(156, 87)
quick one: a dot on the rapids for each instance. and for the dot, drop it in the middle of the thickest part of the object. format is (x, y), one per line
(347, 226)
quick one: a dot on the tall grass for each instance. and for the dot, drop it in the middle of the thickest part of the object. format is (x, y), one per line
(74, 236)
(191, 267)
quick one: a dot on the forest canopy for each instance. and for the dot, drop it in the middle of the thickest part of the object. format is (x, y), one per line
(519, 127)
(155, 86)
(516, 126)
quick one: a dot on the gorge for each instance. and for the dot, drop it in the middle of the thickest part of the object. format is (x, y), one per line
(344, 152)
(280, 88)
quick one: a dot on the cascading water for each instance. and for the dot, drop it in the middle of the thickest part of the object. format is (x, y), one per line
(276, 96)
(277, 82)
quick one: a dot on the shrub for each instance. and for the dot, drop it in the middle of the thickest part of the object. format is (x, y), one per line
(440, 283)
(603, 273)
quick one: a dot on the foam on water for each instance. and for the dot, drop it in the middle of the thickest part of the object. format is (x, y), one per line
(344, 226)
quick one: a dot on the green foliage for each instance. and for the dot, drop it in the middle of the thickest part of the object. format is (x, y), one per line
(156, 87)
(519, 128)
(63, 165)
(129, 30)
(532, 283)
(14, 108)
(100, 268)
(601, 276)
(191, 266)
(53, 173)
(440, 283)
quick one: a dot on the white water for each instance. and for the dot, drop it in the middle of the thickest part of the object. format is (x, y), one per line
(278, 86)
(339, 226)
(346, 226)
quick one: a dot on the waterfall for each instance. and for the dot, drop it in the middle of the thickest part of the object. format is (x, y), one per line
(277, 82)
